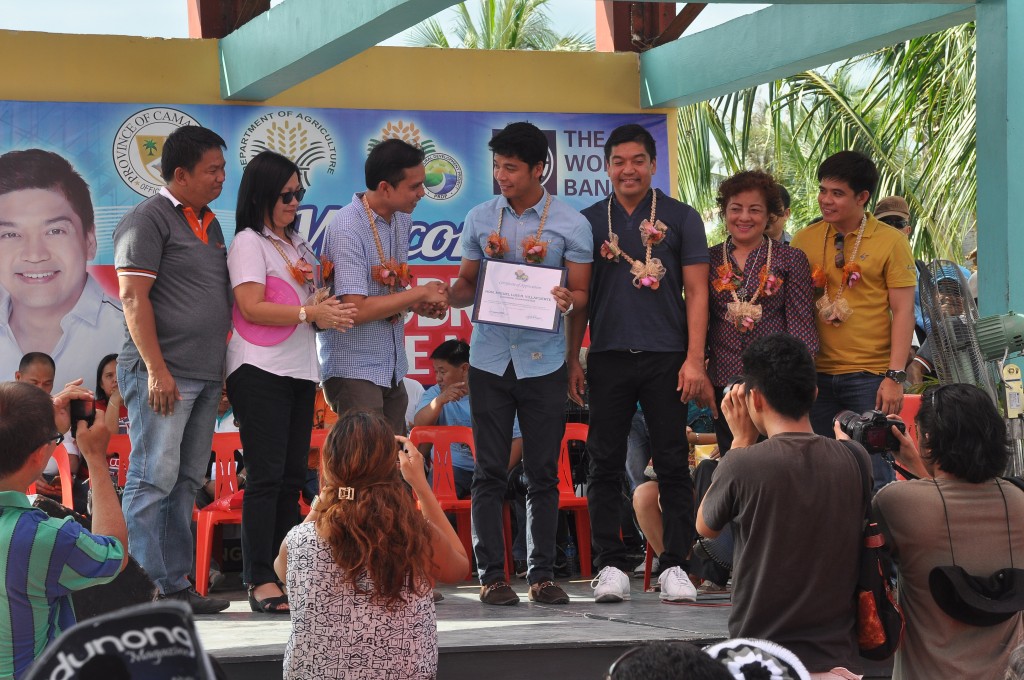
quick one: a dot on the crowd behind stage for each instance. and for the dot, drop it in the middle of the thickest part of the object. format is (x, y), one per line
(769, 348)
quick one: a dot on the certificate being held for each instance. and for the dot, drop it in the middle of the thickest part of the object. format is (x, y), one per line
(519, 295)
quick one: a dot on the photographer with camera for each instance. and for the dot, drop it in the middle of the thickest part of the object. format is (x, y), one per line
(48, 559)
(959, 516)
(796, 505)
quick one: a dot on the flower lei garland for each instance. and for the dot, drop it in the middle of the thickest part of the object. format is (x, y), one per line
(837, 310)
(534, 249)
(743, 313)
(390, 273)
(646, 274)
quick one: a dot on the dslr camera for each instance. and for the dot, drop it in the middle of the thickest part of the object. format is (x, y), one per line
(871, 429)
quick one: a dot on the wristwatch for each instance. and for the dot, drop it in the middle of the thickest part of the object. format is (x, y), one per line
(302, 315)
(899, 377)
(568, 311)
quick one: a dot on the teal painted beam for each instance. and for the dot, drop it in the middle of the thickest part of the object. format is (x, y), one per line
(777, 42)
(1000, 147)
(299, 39)
(838, 2)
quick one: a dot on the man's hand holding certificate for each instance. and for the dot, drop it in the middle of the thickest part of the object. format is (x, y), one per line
(521, 295)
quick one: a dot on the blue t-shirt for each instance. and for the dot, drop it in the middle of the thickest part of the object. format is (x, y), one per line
(457, 413)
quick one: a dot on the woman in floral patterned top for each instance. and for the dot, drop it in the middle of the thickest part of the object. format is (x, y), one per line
(360, 569)
(758, 286)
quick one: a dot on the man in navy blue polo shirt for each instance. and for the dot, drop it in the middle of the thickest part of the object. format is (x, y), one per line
(646, 346)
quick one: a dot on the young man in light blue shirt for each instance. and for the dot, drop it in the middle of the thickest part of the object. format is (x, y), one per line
(513, 370)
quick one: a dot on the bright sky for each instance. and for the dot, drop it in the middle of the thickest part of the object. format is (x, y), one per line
(168, 18)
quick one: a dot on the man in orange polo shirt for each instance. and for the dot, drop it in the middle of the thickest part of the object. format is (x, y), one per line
(865, 276)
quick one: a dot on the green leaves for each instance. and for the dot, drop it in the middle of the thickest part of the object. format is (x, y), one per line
(502, 25)
(910, 107)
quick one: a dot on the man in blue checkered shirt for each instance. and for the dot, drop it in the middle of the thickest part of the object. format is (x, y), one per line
(368, 246)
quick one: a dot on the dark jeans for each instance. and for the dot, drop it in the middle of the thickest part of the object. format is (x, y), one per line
(540, 404)
(855, 392)
(618, 380)
(275, 420)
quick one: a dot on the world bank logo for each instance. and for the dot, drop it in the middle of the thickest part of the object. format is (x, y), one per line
(139, 143)
(296, 135)
(444, 176)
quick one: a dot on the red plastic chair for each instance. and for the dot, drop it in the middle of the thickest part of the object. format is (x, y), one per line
(122, 446)
(567, 498)
(60, 454)
(225, 509)
(441, 437)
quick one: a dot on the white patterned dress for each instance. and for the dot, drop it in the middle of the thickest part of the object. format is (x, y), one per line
(337, 633)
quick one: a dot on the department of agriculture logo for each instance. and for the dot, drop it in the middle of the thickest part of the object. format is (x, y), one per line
(294, 134)
(140, 141)
(443, 172)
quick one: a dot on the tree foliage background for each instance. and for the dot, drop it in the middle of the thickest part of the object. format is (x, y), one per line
(910, 107)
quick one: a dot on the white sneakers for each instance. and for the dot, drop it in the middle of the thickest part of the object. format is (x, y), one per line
(611, 585)
(676, 586)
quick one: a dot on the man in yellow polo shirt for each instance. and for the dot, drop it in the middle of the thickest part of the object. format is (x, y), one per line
(864, 274)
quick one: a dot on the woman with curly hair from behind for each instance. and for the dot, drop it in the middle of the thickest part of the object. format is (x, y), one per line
(360, 569)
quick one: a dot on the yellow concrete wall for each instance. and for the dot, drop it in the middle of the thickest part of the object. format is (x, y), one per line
(89, 68)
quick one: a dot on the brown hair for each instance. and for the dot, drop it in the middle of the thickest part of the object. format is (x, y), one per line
(378, 534)
(753, 180)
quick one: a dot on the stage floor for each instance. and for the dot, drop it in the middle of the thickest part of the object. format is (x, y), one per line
(577, 640)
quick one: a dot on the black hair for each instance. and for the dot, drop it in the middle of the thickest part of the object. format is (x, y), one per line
(962, 432)
(36, 358)
(669, 661)
(786, 200)
(630, 132)
(38, 169)
(101, 394)
(388, 162)
(852, 167)
(895, 221)
(521, 140)
(184, 148)
(455, 352)
(752, 180)
(26, 423)
(259, 191)
(781, 368)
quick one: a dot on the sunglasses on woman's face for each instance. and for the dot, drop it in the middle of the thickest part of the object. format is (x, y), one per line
(287, 196)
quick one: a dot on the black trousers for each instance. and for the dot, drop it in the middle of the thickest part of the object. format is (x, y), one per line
(275, 421)
(618, 380)
(540, 404)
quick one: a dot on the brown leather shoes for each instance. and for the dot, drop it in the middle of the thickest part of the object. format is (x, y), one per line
(499, 593)
(546, 592)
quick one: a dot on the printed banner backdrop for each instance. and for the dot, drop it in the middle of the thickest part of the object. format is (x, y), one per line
(116, 148)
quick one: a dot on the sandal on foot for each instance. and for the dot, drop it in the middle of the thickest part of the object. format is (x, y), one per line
(268, 605)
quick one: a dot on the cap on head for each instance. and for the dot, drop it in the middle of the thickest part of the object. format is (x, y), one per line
(893, 205)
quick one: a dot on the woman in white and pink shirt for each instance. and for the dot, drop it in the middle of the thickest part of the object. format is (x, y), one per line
(272, 364)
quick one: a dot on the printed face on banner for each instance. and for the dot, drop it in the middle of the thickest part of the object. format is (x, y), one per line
(44, 248)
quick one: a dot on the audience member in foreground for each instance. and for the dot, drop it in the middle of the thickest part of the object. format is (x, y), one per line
(797, 505)
(748, 659)
(48, 559)
(361, 567)
(959, 513)
(666, 661)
